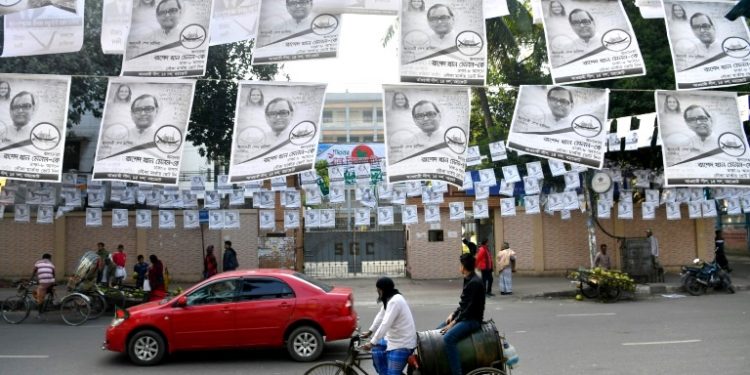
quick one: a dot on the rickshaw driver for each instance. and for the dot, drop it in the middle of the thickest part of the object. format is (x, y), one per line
(44, 271)
(468, 317)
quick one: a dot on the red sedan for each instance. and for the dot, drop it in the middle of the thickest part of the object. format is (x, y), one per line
(251, 308)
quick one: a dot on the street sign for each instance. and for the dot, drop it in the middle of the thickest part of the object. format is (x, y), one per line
(203, 216)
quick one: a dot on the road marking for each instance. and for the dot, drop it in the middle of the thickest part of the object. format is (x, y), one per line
(660, 342)
(24, 356)
(591, 314)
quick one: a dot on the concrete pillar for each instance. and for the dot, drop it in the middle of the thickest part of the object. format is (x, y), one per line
(538, 242)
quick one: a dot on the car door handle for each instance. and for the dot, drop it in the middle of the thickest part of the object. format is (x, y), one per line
(284, 305)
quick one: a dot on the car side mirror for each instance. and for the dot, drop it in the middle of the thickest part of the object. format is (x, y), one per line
(181, 302)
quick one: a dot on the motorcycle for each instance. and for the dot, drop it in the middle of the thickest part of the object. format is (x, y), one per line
(702, 275)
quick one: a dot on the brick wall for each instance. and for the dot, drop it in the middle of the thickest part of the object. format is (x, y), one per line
(21, 245)
(433, 260)
(518, 232)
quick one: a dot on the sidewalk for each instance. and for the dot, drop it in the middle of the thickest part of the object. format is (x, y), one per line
(445, 291)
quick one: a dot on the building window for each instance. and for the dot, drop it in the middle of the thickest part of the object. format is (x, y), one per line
(366, 139)
(341, 140)
(327, 116)
(380, 115)
(367, 116)
(435, 235)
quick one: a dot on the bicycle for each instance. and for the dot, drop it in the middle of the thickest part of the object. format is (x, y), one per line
(74, 308)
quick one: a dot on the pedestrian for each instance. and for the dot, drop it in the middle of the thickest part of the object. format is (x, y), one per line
(484, 263)
(44, 270)
(471, 245)
(119, 259)
(468, 316)
(505, 260)
(156, 279)
(393, 334)
(140, 269)
(654, 245)
(721, 257)
(602, 259)
(104, 264)
(210, 267)
(230, 257)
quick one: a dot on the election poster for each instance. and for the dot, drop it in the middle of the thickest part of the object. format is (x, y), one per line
(703, 142)
(33, 119)
(428, 138)
(362, 216)
(22, 213)
(590, 40)
(708, 50)
(444, 43)
(561, 122)
(143, 130)
(409, 214)
(364, 6)
(115, 25)
(385, 215)
(650, 8)
(276, 129)
(45, 30)
(291, 219)
(531, 204)
(168, 39)
(14, 6)
(234, 21)
(295, 30)
(457, 211)
(495, 8)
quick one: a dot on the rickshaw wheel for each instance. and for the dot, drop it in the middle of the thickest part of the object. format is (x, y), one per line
(486, 370)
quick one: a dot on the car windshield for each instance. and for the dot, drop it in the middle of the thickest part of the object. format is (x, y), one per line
(327, 288)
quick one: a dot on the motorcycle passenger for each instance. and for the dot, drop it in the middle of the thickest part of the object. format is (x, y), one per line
(468, 316)
(395, 334)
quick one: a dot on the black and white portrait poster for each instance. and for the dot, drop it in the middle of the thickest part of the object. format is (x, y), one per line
(673, 211)
(327, 218)
(456, 211)
(115, 25)
(443, 42)
(508, 207)
(497, 151)
(234, 21)
(190, 219)
(590, 40)
(431, 213)
(362, 6)
(231, 219)
(362, 216)
(495, 8)
(563, 123)
(481, 209)
(33, 119)
(694, 209)
(312, 218)
(427, 138)
(143, 219)
(93, 217)
(143, 130)
(216, 219)
(707, 49)
(703, 143)
(531, 204)
(47, 30)
(295, 30)
(276, 129)
(291, 219)
(22, 213)
(409, 214)
(385, 215)
(166, 219)
(168, 39)
(44, 214)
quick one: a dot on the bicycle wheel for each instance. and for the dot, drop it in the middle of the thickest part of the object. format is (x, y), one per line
(16, 309)
(329, 368)
(486, 370)
(589, 290)
(98, 305)
(609, 294)
(75, 310)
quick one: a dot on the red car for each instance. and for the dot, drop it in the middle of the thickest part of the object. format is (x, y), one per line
(251, 308)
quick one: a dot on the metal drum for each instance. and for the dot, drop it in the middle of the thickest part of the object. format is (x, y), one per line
(480, 349)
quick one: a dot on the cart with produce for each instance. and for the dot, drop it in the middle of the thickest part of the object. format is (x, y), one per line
(606, 285)
(102, 296)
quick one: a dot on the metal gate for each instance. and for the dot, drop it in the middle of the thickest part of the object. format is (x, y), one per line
(353, 253)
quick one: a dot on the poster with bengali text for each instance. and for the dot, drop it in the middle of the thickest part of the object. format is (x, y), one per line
(234, 21)
(47, 30)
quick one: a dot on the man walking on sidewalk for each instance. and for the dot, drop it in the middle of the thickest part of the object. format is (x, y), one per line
(505, 258)
(484, 263)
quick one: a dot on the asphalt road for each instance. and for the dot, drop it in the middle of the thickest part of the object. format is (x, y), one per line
(655, 335)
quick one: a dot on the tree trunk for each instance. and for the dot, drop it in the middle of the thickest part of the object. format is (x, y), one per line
(482, 93)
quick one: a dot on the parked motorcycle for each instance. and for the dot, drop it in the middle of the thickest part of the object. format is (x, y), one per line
(696, 279)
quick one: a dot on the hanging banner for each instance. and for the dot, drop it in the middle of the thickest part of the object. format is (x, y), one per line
(531, 204)
(116, 15)
(703, 140)
(707, 49)
(444, 44)
(427, 142)
(456, 211)
(590, 40)
(291, 219)
(168, 40)
(495, 8)
(652, 9)
(569, 127)
(190, 219)
(295, 30)
(234, 21)
(33, 119)
(409, 214)
(44, 31)
(93, 217)
(143, 130)
(385, 215)
(13, 6)
(364, 6)
(276, 129)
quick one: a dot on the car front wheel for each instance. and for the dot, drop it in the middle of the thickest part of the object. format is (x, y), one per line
(305, 344)
(146, 348)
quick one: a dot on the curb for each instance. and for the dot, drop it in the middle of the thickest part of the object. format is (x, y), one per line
(640, 290)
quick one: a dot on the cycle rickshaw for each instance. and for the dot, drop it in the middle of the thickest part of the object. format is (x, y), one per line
(482, 353)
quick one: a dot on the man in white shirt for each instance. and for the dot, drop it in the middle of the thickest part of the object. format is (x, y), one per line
(427, 117)
(560, 103)
(654, 244)
(441, 21)
(393, 334)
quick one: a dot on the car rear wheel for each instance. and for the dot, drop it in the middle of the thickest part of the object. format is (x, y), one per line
(146, 348)
(305, 344)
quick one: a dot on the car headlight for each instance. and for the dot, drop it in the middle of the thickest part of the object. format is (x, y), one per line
(120, 316)
(116, 322)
